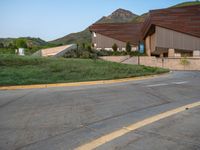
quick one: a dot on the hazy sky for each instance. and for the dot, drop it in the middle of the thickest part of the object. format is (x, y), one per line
(51, 19)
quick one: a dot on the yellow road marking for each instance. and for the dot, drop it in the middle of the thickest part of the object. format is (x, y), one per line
(38, 86)
(111, 136)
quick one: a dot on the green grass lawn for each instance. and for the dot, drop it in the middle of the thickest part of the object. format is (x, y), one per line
(16, 70)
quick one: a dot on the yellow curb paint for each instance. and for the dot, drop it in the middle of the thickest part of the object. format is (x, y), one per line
(111, 136)
(38, 86)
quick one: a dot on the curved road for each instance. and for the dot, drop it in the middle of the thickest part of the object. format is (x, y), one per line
(69, 117)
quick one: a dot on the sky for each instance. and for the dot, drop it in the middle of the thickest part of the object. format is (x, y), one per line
(52, 19)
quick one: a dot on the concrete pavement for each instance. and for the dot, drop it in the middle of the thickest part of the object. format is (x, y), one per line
(68, 117)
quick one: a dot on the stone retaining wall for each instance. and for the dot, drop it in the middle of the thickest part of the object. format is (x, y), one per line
(190, 63)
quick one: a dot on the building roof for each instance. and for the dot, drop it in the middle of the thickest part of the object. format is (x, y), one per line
(182, 19)
(125, 32)
(54, 50)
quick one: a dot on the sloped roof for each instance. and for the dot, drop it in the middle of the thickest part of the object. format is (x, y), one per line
(182, 19)
(125, 32)
(54, 50)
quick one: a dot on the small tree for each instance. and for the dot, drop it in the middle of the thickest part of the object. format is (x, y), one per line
(128, 47)
(184, 62)
(89, 48)
(20, 43)
(114, 47)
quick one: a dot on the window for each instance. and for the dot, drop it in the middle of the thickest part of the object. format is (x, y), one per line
(94, 34)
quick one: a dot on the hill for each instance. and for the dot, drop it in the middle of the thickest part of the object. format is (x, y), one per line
(187, 4)
(143, 16)
(118, 16)
(31, 42)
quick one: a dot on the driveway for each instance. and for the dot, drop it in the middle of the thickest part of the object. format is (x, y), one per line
(69, 117)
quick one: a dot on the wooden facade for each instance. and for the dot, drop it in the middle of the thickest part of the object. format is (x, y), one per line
(172, 31)
(120, 33)
(104, 42)
(164, 39)
(167, 38)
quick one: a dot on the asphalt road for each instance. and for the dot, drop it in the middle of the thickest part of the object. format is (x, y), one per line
(68, 117)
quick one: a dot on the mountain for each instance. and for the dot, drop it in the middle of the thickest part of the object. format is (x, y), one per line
(118, 16)
(31, 42)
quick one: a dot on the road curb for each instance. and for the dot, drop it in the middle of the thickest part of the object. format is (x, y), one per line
(74, 84)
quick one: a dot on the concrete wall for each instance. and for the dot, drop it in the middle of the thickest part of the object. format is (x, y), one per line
(170, 63)
(115, 58)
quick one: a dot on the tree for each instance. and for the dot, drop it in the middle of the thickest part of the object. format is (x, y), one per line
(115, 47)
(20, 43)
(128, 47)
(83, 45)
(1, 45)
(11, 46)
(89, 48)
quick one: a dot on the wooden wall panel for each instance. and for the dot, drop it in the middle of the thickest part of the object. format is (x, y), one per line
(171, 39)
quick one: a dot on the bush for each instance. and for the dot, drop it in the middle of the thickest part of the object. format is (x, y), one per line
(128, 47)
(136, 53)
(114, 47)
(85, 55)
(1, 45)
(184, 61)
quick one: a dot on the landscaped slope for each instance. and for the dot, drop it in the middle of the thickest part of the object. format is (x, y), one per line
(15, 70)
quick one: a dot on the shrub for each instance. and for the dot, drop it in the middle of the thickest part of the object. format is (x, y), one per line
(114, 47)
(1, 45)
(56, 67)
(85, 55)
(89, 48)
(184, 61)
(128, 47)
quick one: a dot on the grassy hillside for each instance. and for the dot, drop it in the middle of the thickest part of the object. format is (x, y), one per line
(16, 70)
(140, 18)
(187, 4)
(79, 37)
(31, 42)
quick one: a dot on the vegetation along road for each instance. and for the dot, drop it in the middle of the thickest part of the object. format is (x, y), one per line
(15, 70)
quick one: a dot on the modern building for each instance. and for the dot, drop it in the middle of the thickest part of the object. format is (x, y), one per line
(171, 32)
(107, 34)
